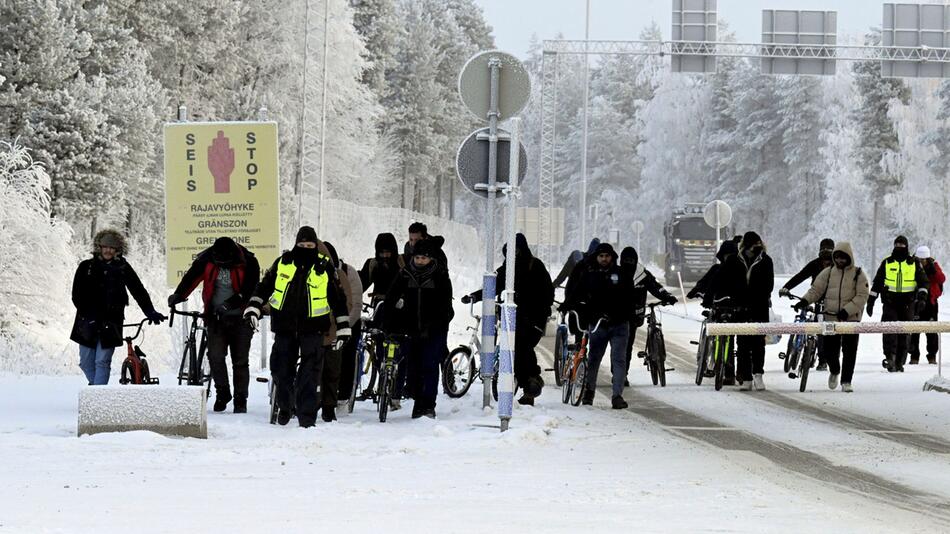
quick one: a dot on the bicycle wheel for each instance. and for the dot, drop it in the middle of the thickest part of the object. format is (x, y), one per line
(371, 369)
(383, 398)
(127, 374)
(567, 368)
(701, 357)
(357, 377)
(660, 362)
(579, 383)
(794, 358)
(182, 376)
(651, 360)
(720, 367)
(560, 349)
(146, 375)
(458, 372)
(788, 353)
(807, 357)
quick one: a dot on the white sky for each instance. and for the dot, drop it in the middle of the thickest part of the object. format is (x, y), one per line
(514, 21)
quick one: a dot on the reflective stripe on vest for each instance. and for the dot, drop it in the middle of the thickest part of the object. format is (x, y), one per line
(900, 276)
(316, 288)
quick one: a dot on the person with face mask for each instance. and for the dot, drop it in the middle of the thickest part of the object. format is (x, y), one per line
(747, 280)
(101, 288)
(419, 305)
(380, 270)
(228, 274)
(534, 294)
(306, 301)
(811, 270)
(929, 313)
(844, 290)
(705, 290)
(903, 288)
(643, 282)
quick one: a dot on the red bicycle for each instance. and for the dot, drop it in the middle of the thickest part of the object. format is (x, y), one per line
(135, 367)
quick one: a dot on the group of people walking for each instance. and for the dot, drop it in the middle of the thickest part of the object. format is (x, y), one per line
(315, 301)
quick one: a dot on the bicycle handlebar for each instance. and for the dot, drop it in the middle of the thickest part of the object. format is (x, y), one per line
(138, 329)
(173, 312)
(577, 318)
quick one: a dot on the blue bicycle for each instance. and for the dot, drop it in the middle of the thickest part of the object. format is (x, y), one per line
(800, 355)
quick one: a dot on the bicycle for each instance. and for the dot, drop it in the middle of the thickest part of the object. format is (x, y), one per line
(574, 366)
(654, 357)
(134, 367)
(714, 352)
(194, 369)
(461, 367)
(365, 364)
(802, 348)
(388, 375)
(561, 346)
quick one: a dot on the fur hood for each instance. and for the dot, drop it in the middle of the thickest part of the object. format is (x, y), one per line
(110, 237)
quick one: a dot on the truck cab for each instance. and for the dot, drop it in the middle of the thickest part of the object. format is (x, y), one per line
(690, 244)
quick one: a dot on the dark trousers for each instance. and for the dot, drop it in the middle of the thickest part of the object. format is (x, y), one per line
(848, 345)
(895, 345)
(750, 356)
(929, 314)
(231, 334)
(348, 361)
(421, 360)
(526, 365)
(298, 389)
(634, 324)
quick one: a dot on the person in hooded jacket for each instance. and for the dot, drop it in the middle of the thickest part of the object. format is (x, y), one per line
(101, 288)
(747, 279)
(379, 271)
(643, 282)
(844, 290)
(929, 313)
(339, 362)
(534, 295)
(576, 258)
(903, 287)
(604, 292)
(418, 305)
(306, 304)
(705, 290)
(228, 274)
(811, 270)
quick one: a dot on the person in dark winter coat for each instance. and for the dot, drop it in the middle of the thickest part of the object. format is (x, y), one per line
(929, 313)
(603, 292)
(338, 366)
(705, 290)
(306, 303)
(101, 288)
(380, 270)
(811, 270)
(903, 287)
(419, 305)
(844, 290)
(228, 274)
(643, 282)
(534, 295)
(747, 280)
(419, 232)
(576, 258)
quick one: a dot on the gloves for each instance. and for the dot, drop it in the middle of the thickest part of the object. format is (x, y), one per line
(174, 299)
(919, 306)
(693, 294)
(784, 292)
(466, 299)
(253, 316)
(342, 336)
(800, 305)
(871, 305)
(154, 317)
(842, 314)
(669, 300)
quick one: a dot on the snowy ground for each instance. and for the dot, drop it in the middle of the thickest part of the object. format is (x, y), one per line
(682, 458)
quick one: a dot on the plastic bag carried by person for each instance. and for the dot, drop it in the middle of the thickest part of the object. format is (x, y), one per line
(774, 339)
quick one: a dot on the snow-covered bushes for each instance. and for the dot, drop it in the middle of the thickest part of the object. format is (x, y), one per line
(36, 263)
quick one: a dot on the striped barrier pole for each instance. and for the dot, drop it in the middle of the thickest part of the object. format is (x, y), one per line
(827, 328)
(488, 336)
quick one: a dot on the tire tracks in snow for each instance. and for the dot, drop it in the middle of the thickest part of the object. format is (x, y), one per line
(699, 429)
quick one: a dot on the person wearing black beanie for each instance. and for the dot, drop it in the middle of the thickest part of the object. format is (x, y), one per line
(811, 271)
(904, 289)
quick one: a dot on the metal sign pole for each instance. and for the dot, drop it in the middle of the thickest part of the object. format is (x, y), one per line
(506, 357)
(488, 280)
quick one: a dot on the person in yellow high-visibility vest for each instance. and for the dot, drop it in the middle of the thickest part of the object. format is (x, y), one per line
(306, 299)
(902, 286)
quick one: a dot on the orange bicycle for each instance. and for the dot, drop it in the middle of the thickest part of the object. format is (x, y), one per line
(574, 367)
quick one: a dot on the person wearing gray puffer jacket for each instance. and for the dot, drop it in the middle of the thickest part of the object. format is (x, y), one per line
(844, 289)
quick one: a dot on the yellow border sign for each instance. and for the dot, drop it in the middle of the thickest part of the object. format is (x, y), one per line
(221, 179)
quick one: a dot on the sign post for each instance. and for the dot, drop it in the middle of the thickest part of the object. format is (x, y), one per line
(492, 85)
(718, 215)
(638, 229)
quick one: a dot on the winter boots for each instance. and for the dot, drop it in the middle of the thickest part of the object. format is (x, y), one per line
(832, 381)
(758, 382)
(221, 402)
(617, 403)
(240, 405)
(588, 399)
(846, 387)
(328, 413)
(932, 359)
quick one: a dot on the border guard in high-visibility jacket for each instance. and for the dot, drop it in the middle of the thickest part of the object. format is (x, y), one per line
(902, 286)
(305, 300)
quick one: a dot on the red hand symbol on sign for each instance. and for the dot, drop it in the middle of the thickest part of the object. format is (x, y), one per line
(221, 163)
